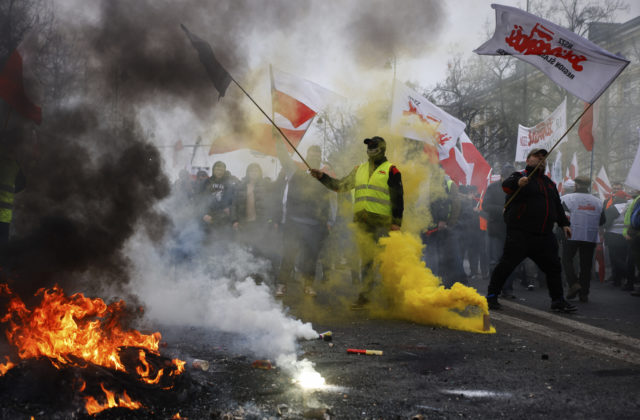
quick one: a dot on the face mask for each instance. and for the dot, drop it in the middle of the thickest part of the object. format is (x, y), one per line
(374, 152)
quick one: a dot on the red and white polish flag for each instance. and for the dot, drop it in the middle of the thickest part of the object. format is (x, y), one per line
(480, 168)
(571, 61)
(601, 184)
(588, 126)
(573, 168)
(296, 101)
(455, 165)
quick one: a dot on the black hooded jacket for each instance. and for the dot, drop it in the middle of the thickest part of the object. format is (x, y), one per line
(537, 205)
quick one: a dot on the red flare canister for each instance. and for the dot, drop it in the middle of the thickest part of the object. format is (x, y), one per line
(367, 352)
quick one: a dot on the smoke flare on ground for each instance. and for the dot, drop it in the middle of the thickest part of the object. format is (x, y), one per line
(419, 296)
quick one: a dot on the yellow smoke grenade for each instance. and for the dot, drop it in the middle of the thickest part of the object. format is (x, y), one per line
(417, 295)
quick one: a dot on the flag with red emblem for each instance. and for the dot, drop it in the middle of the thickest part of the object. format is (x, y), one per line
(415, 117)
(571, 61)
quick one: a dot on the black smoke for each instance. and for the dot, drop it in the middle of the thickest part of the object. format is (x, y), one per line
(93, 174)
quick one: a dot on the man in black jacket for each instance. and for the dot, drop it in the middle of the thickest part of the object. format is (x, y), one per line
(530, 218)
(304, 219)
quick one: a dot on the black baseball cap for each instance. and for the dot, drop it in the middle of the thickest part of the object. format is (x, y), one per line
(373, 142)
(542, 152)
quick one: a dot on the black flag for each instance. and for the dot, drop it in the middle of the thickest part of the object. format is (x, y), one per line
(218, 75)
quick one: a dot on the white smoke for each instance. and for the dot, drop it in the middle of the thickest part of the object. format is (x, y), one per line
(218, 293)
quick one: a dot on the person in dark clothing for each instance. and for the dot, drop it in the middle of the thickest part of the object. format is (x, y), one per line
(530, 218)
(493, 206)
(303, 218)
(617, 246)
(216, 199)
(441, 252)
(200, 182)
(468, 234)
(252, 212)
(251, 202)
(378, 204)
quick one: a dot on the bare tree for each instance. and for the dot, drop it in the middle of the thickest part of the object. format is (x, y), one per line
(17, 17)
(493, 94)
(338, 127)
(577, 15)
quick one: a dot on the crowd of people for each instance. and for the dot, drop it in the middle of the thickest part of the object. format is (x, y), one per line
(291, 221)
(539, 238)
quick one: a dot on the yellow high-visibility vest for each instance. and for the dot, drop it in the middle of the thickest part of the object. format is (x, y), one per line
(372, 192)
(8, 171)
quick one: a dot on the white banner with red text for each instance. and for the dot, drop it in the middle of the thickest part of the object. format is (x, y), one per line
(544, 134)
(571, 61)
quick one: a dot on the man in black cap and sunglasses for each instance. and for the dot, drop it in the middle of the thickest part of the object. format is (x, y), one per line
(530, 217)
(378, 202)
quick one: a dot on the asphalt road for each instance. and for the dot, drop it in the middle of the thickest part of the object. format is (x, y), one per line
(538, 365)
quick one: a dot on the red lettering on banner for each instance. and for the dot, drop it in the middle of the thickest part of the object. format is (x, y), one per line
(587, 207)
(540, 132)
(538, 43)
(442, 138)
(424, 118)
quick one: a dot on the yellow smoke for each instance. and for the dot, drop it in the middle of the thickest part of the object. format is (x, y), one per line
(413, 291)
(417, 295)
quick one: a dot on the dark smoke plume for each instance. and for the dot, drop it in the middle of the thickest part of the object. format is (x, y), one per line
(382, 30)
(78, 210)
(93, 175)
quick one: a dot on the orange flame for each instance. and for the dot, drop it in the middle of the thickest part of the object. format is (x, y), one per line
(62, 326)
(4, 367)
(74, 330)
(92, 406)
(144, 372)
(179, 364)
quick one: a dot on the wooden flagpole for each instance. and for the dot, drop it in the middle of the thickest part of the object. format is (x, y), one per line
(271, 121)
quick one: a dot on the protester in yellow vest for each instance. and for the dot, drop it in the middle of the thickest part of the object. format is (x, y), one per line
(11, 181)
(378, 203)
